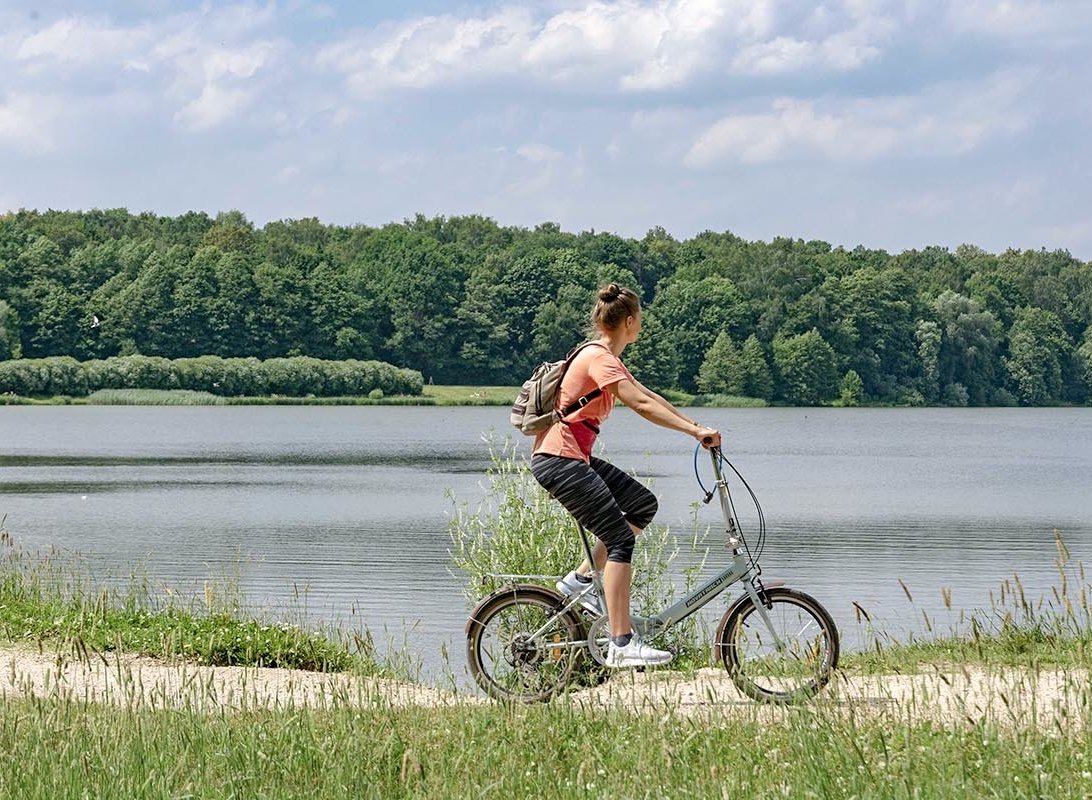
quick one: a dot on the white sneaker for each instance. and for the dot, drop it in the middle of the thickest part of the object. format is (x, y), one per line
(636, 654)
(570, 586)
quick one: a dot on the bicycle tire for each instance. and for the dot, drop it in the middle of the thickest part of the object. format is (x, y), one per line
(758, 667)
(505, 662)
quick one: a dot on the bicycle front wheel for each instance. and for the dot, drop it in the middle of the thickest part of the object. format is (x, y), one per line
(782, 653)
(522, 647)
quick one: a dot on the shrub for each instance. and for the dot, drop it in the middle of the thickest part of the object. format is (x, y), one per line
(298, 376)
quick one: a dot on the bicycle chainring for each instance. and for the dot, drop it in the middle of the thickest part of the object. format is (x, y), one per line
(599, 640)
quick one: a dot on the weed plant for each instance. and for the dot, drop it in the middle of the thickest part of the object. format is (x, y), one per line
(726, 401)
(153, 397)
(518, 529)
(1053, 630)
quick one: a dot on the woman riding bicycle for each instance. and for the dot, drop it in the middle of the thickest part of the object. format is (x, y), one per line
(602, 498)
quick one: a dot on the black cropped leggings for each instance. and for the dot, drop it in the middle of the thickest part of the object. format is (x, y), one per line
(601, 497)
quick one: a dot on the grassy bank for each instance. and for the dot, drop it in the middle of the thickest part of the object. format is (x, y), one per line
(432, 395)
(48, 602)
(67, 749)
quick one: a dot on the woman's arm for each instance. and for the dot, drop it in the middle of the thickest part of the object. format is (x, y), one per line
(664, 402)
(656, 409)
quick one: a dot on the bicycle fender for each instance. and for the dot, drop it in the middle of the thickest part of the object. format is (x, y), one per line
(512, 589)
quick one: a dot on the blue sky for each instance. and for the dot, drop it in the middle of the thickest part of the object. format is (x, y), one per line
(890, 124)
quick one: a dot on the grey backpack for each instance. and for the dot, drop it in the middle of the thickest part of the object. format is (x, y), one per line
(536, 408)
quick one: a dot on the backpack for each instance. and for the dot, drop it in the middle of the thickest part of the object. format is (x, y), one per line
(535, 408)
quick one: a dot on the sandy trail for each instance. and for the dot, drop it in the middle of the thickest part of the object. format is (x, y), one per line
(945, 693)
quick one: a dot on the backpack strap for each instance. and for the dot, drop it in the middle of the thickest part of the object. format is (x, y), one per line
(582, 401)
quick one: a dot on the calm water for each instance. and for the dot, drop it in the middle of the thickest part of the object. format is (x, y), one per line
(348, 507)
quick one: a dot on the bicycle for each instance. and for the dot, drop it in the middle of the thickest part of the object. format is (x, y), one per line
(527, 642)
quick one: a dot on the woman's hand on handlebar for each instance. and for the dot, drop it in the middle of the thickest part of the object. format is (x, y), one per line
(709, 437)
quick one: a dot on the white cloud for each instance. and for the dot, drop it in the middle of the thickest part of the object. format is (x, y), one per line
(538, 153)
(1060, 20)
(243, 62)
(81, 41)
(214, 106)
(27, 122)
(947, 121)
(841, 52)
(429, 51)
(288, 174)
(208, 63)
(399, 164)
(929, 204)
(630, 45)
(1074, 235)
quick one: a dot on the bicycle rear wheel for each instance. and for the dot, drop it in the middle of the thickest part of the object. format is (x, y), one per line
(521, 646)
(786, 661)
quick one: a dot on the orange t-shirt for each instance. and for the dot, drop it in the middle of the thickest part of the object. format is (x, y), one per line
(594, 366)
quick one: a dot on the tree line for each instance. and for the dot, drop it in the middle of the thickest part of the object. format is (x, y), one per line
(464, 300)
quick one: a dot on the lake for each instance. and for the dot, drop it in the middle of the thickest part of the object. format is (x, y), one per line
(344, 510)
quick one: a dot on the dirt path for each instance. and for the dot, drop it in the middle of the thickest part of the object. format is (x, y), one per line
(950, 694)
(945, 693)
(136, 680)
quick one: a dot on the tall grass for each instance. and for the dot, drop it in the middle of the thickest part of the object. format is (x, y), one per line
(1053, 629)
(681, 398)
(153, 397)
(66, 749)
(517, 528)
(351, 400)
(48, 599)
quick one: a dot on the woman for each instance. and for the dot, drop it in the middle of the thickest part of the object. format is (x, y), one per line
(605, 500)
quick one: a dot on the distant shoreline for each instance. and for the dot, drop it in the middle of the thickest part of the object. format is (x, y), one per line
(432, 395)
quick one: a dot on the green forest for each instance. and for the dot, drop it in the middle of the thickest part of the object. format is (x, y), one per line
(464, 300)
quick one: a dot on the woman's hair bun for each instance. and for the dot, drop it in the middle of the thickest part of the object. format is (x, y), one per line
(610, 292)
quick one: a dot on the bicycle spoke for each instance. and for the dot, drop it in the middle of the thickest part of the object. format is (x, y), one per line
(523, 649)
(783, 655)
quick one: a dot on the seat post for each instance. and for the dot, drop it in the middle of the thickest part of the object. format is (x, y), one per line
(587, 545)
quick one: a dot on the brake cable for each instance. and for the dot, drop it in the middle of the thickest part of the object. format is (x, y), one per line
(708, 496)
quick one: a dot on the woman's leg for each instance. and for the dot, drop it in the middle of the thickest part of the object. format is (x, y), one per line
(638, 506)
(588, 497)
(599, 553)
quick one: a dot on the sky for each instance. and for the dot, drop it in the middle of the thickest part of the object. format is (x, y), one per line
(893, 125)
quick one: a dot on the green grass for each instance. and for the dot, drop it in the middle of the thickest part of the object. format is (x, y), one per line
(351, 400)
(11, 399)
(153, 397)
(66, 749)
(726, 401)
(46, 600)
(472, 395)
(432, 396)
(687, 400)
